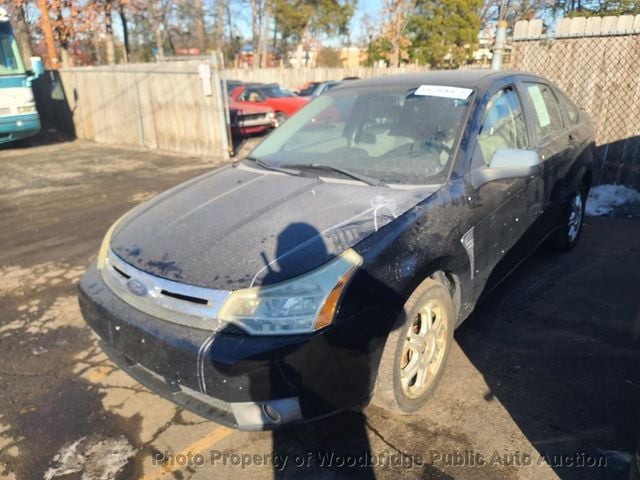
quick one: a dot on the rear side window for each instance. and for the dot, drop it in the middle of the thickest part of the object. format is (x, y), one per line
(547, 116)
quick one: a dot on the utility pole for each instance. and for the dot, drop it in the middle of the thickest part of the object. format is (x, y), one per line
(501, 36)
(45, 24)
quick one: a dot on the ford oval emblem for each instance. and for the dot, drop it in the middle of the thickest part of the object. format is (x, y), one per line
(137, 287)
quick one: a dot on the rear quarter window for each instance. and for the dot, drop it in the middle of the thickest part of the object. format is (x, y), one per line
(569, 107)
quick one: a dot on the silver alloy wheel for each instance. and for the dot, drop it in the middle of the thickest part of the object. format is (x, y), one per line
(575, 217)
(423, 350)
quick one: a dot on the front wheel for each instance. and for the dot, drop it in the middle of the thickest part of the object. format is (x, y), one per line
(416, 351)
(566, 238)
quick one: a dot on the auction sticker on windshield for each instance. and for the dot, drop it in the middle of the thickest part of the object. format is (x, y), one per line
(443, 92)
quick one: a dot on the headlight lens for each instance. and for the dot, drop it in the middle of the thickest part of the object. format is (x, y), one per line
(302, 305)
(106, 241)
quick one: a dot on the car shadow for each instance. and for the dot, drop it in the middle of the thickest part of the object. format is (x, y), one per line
(340, 447)
(558, 346)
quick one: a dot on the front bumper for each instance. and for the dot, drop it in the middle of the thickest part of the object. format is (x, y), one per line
(245, 382)
(15, 127)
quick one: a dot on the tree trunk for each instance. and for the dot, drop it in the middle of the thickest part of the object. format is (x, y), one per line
(160, 42)
(221, 7)
(264, 57)
(201, 36)
(63, 39)
(97, 47)
(108, 27)
(67, 60)
(125, 32)
(255, 33)
(21, 31)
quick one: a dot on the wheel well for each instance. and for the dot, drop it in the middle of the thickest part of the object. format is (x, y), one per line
(587, 178)
(451, 282)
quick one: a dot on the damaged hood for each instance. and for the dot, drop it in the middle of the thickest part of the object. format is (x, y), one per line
(239, 227)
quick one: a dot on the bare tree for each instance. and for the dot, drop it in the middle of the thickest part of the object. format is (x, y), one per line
(264, 40)
(255, 32)
(221, 7)
(396, 15)
(201, 36)
(108, 27)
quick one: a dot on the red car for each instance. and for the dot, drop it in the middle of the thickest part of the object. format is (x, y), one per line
(247, 117)
(283, 102)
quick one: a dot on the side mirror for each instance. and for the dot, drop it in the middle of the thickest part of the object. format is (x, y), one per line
(37, 66)
(507, 163)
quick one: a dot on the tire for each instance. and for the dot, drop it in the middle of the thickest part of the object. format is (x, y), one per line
(567, 236)
(406, 393)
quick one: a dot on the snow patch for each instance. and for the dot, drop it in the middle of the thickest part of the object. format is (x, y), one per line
(604, 198)
(95, 456)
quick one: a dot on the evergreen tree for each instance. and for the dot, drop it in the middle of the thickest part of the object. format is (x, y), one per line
(443, 33)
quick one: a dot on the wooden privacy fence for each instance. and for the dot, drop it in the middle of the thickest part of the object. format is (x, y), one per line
(295, 77)
(175, 107)
(596, 61)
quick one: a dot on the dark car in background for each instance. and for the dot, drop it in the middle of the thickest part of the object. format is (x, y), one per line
(331, 266)
(315, 89)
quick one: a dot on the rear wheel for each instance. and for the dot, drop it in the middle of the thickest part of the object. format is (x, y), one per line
(568, 235)
(416, 351)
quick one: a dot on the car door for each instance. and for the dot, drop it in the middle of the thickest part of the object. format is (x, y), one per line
(554, 144)
(502, 206)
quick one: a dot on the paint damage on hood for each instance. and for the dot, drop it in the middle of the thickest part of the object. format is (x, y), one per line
(238, 227)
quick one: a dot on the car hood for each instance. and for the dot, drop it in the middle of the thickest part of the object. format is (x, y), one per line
(239, 226)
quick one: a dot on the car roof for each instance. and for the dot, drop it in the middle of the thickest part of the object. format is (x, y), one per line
(453, 78)
(260, 85)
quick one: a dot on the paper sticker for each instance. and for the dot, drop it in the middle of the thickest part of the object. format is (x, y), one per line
(443, 92)
(535, 94)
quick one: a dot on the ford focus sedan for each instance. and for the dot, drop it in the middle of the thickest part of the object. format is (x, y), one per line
(330, 267)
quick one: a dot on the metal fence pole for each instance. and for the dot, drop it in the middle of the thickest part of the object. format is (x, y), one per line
(498, 46)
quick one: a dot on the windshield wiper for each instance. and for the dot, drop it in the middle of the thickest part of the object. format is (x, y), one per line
(374, 182)
(275, 168)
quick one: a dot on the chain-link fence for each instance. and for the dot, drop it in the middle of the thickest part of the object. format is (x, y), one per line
(597, 63)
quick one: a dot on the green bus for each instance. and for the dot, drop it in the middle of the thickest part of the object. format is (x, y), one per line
(18, 114)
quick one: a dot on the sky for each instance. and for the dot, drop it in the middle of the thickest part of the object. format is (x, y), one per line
(368, 7)
(364, 7)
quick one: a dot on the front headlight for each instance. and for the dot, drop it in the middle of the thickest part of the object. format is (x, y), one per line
(301, 305)
(27, 109)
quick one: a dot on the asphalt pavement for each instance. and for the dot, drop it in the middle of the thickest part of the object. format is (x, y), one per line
(543, 381)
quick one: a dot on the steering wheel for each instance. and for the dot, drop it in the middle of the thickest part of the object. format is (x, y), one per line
(435, 145)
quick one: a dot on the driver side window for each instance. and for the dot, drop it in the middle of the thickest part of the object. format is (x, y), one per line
(251, 96)
(503, 126)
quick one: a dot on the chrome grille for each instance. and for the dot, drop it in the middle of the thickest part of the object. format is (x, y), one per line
(174, 302)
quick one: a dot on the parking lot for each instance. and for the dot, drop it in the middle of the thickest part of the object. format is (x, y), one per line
(543, 381)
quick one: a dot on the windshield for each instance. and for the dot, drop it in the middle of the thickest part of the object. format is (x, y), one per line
(396, 135)
(10, 61)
